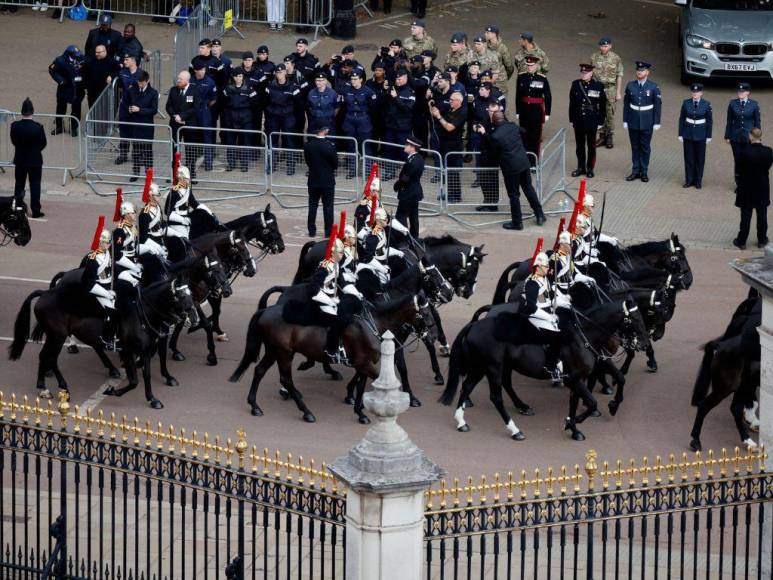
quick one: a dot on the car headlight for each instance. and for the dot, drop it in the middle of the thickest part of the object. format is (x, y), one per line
(699, 42)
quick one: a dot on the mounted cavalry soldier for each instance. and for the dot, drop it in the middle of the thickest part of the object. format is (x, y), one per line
(151, 221)
(377, 249)
(97, 276)
(370, 195)
(588, 203)
(128, 271)
(180, 203)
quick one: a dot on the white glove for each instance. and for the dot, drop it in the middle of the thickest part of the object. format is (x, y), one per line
(608, 239)
(350, 277)
(398, 227)
(625, 126)
(395, 252)
(708, 140)
(102, 292)
(656, 127)
(323, 298)
(583, 279)
(681, 139)
(352, 290)
(547, 118)
(363, 233)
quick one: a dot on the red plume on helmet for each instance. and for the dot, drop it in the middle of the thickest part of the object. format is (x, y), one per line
(537, 250)
(373, 208)
(98, 233)
(175, 166)
(342, 225)
(558, 233)
(373, 173)
(331, 241)
(148, 181)
(577, 208)
(118, 202)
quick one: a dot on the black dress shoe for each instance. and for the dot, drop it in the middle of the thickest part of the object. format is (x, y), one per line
(38, 214)
(486, 208)
(610, 143)
(632, 176)
(589, 174)
(57, 131)
(512, 226)
(763, 243)
(133, 179)
(578, 172)
(686, 184)
(540, 218)
(120, 160)
(644, 178)
(737, 243)
(601, 140)
(698, 186)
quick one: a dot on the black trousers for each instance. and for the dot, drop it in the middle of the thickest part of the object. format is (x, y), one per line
(516, 182)
(694, 159)
(335, 328)
(736, 148)
(75, 111)
(532, 140)
(418, 7)
(746, 220)
(640, 150)
(327, 195)
(585, 148)
(408, 214)
(34, 174)
(142, 156)
(454, 161)
(489, 185)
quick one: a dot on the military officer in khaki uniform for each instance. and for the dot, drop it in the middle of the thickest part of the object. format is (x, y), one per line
(608, 70)
(495, 43)
(489, 60)
(460, 55)
(527, 47)
(419, 40)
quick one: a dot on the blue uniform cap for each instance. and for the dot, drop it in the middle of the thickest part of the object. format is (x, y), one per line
(744, 87)
(429, 53)
(401, 72)
(492, 28)
(457, 37)
(198, 64)
(605, 40)
(320, 75)
(262, 49)
(415, 141)
(72, 50)
(396, 42)
(378, 63)
(527, 36)
(452, 68)
(696, 88)
(105, 19)
(302, 41)
(641, 65)
(237, 70)
(474, 63)
(417, 58)
(290, 58)
(280, 66)
(487, 85)
(217, 42)
(445, 76)
(479, 38)
(356, 73)
(419, 22)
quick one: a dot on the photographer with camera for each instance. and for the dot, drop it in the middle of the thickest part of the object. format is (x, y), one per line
(392, 57)
(450, 129)
(399, 117)
(380, 85)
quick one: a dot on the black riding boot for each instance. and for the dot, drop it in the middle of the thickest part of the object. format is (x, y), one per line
(553, 364)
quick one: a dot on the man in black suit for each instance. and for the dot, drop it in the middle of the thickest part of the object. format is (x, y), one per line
(29, 139)
(182, 106)
(408, 186)
(320, 155)
(143, 106)
(754, 161)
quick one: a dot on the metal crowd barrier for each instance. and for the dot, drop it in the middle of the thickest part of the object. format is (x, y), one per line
(103, 153)
(233, 171)
(63, 7)
(101, 117)
(432, 181)
(63, 152)
(288, 172)
(153, 66)
(552, 175)
(316, 14)
(152, 8)
(205, 21)
(478, 186)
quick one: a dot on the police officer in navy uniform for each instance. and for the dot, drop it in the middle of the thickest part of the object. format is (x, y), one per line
(66, 71)
(533, 102)
(283, 96)
(143, 107)
(399, 117)
(695, 125)
(322, 104)
(127, 78)
(641, 116)
(743, 115)
(238, 98)
(358, 103)
(264, 72)
(205, 85)
(295, 75)
(408, 186)
(104, 35)
(587, 110)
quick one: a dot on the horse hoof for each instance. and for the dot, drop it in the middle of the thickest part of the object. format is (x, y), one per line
(439, 380)
(528, 411)
(577, 436)
(306, 365)
(518, 436)
(222, 337)
(172, 382)
(211, 360)
(468, 404)
(556, 384)
(349, 400)
(309, 417)
(607, 391)
(695, 445)
(463, 429)
(178, 356)
(114, 373)
(49, 373)
(336, 376)
(256, 411)
(613, 406)
(364, 420)
(284, 394)
(73, 349)
(109, 391)
(45, 394)
(595, 413)
(652, 366)
(415, 402)
(156, 404)
(445, 350)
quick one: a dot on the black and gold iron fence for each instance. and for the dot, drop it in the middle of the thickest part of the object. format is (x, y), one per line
(688, 517)
(96, 496)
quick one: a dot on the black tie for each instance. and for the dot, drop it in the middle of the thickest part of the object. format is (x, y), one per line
(743, 104)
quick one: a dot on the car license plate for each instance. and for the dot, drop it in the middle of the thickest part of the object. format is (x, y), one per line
(740, 67)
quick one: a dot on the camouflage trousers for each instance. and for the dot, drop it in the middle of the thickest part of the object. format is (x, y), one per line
(609, 122)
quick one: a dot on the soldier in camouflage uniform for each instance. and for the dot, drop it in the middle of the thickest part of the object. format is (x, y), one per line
(419, 40)
(527, 47)
(495, 43)
(489, 60)
(459, 55)
(608, 70)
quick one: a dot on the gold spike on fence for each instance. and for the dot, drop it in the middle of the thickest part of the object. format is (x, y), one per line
(617, 475)
(132, 432)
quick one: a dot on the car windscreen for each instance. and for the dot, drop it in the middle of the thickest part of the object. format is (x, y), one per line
(733, 4)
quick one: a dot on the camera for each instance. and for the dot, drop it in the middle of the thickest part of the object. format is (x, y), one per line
(384, 51)
(431, 102)
(337, 58)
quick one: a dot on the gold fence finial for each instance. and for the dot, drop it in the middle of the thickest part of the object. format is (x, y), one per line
(63, 407)
(241, 445)
(590, 466)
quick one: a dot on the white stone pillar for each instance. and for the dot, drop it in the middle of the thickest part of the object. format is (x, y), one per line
(387, 476)
(758, 273)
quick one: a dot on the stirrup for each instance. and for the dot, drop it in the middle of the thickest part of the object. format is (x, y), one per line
(110, 345)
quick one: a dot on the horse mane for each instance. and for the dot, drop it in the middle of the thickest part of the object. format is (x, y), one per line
(406, 275)
(648, 248)
(244, 221)
(441, 241)
(393, 305)
(5, 202)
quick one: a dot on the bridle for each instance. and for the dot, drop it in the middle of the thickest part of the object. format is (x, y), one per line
(426, 279)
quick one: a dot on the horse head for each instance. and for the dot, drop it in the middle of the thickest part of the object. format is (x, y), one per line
(216, 275)
(14, 224)
(239, 253)
(424, 322)
(433, 282)
(633, 330)
(183, 305)
(266, 232)
(466, 277)
(656, 314)
(675, 262)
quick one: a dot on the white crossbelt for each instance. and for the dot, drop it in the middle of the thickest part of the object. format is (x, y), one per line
(695, 121)
(644, 108)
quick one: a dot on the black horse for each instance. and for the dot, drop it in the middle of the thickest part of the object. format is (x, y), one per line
(157, 308)
(14, 225)
(478, 352)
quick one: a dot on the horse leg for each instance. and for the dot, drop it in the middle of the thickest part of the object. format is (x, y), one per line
(402, 369)
(591, 405)
(72, 347)
(652, 364)
(176, 354)
(439, 380)
(154, 403)
(507, 385)
(211, 356)
(570, 423)
(629, 356)
(351, 385)
(48, 361)
(130, 364)
(472, 379)
(162, 346)
(495, 394)
(260, 370)
(736, 408)
(216, 302)
(330, 371)
(750, 413)
(286, 379)
(362, 379)
(704, 408)
(618, 378)
(112, 372)
(445, 348)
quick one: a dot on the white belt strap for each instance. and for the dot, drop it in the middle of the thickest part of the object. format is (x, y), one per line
(695, 121)
(643, 108)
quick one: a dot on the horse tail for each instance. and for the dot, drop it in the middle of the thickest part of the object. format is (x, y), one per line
(455, 365)
(263, 302)
(503, 284)
(251, 349)
(21, 328)
(304, 250)
(703, 381)
(55, 279)
(480, 312)
(37, 332)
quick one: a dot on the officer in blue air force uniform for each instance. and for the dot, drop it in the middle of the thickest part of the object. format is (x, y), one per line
(743, 115)
(695, 125)
(641, 117)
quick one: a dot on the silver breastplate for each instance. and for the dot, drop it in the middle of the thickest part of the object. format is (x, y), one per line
(382, 250)
(130, 244)
(329, 286)
(156, 224)
(104, 268)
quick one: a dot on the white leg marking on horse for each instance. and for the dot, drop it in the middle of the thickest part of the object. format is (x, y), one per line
(459, 416)
(511, 426)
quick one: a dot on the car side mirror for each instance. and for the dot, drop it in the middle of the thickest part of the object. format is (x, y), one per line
(680, 2)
